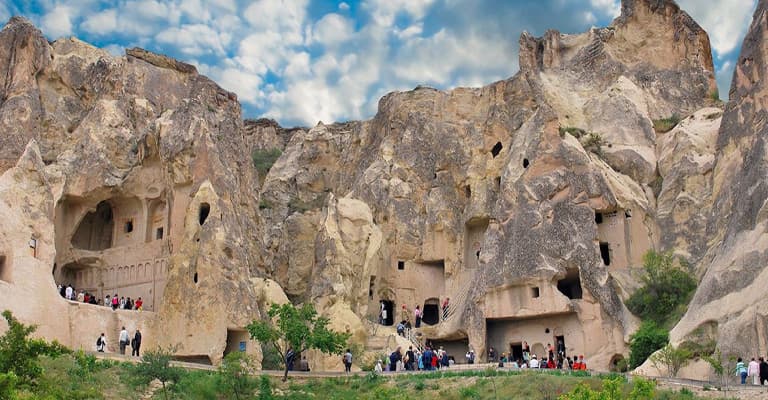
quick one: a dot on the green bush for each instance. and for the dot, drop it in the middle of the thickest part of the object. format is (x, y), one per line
(664, 125)
(573, 131)
(264, 159)
(645, 341)
(20, 354)
(666, 287)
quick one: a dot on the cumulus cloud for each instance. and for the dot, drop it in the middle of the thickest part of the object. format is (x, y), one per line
(286, 60)
(726, 21)
(57, 22)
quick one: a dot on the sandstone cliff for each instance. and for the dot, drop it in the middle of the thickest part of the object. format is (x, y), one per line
(528, 202)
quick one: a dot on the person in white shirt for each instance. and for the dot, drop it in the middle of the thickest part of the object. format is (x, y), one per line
(534, 362)
(101, 343)
(123, 340)
(69, 292)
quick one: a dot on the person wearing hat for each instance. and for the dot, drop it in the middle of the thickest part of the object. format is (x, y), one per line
(534, 363)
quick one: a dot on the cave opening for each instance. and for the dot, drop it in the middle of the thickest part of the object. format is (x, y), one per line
(525, 163)
(95, 229)
(570, 285)
(496, 149)
(205, 209)
(430, 313)
(605, 253)
(5, 273)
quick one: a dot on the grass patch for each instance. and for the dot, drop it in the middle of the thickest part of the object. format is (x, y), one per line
(665, 125)
(264, 159)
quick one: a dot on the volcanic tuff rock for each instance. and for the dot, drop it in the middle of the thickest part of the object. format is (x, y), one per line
(728, 306)
(528, 202)
(148, 181)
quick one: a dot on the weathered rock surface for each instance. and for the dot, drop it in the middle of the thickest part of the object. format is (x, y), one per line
(528, 202)
(727, 306)
(148, 183)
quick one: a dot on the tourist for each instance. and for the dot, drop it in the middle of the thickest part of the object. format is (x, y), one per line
(445, 308)
(80, 296)
(569, 362)
(741, 370)
(136, 343)
(410, 359)
(394, 358)
(69, 292)
(560, 347)
(534, 363)
(551, 351)
(420, 360)
(426, 359)
(470, 356)
(445, 361)
(417, 316)
(304, 364)
(290, 358)
(121, 305)
(94, 300)
(526, 352)
(582, 363)
(115, 302)
(63, 291)
(107, 301)
(128, 303)
(522, 363)
(433, 362)
(348, 361)
(139, 304)
(86, 298)
(763, 371)
(383, 314)
(123, 340)
(404, 313)
(753, 370)
(378, 369)
(401, 328)
(101, 343)
(491, 354)
(551, 363)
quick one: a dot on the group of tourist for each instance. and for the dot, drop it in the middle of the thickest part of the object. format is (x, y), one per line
(416, 360)
(758, 370)
(123, 343)
(122, 303)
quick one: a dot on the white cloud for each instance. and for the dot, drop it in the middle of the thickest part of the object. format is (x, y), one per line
(245, 84)
(343, 6)
(101, 23)
(385, 11)
(724, 75)
(610, 8)
(332, 29)
(195, 40)
(115, 50)
(57, 22)
(726, 21)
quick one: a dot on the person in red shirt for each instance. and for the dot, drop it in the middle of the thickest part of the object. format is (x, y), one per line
(139, 303)
(551, 364)
(582, 364)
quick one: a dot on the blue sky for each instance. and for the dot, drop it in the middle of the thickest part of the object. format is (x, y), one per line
(303, 61)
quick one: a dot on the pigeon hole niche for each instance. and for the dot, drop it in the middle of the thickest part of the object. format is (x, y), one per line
(474, 238)
(5, 271)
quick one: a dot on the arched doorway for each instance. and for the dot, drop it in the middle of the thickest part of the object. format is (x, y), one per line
(95, 229)
(431, 311)
(389, 307)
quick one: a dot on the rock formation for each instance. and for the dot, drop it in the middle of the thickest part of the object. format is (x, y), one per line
(728, 306)
(529, 203)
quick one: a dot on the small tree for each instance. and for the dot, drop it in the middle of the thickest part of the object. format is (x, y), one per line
(671, 357)
(645, 341)
(666, 286)
(20, 354)
(716, 362)
(235, 372)
(298, 328)
(156, 364)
